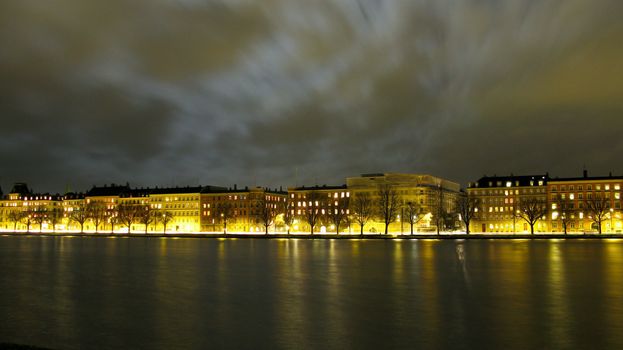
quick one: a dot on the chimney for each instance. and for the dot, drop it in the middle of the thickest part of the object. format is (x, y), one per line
(585, 173)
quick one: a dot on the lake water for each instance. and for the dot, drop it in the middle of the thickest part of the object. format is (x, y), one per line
(164, 293)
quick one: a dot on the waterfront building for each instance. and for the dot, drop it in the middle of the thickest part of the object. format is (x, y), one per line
(24, 210)
(182, 204)
(426, 200)
(326, 208)
(241, 210)
(573, 202)
(499, 199)
(429, 201)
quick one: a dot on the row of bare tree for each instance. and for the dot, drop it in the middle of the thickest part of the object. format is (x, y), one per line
(533, 209)
(94, 212)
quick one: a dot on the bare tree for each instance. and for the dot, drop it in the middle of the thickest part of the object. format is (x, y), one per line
(266, 212)
(567, 214)
(338, 213)
(165, 216)
(413, 213)
(362, 209)
(598, 209)
(440, 211)
(226, 212)
(39, 215)
(531, 210)
(29, 216)
(96, 211)
(312, 210)
(146, 215)
(80, 215)
(113, 217)
(55, 216)
(468, 208)
(388, 204)
(17, 216)
(127, 215)
(288, 214)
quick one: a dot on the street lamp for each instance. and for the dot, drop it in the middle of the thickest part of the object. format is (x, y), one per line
(611, 227)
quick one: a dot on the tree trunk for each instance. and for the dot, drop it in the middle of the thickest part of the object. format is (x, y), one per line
(266, 227)
(82, 228)
(531, 229)
(467, 228)
(411, 229)
(337, 229)
(386, 228)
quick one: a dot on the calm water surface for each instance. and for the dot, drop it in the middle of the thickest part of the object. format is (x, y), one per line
(135, 293)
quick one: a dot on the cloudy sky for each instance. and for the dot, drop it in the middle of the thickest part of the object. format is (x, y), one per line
(284, 92)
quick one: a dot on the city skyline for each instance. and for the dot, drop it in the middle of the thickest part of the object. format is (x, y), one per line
(285, 93)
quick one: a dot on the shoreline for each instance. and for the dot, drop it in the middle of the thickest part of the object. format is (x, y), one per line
(323, 236)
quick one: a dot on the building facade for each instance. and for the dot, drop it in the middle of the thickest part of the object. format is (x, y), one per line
(575, 205)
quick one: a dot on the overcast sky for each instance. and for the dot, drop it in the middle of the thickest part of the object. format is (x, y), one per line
(285, 92)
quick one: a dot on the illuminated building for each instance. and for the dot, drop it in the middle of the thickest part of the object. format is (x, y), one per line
(499, 197)
(568, 199)
(182, 203)
(321, 200)
(38, 211)
(430, 195)
(433, 198)
(238, 210)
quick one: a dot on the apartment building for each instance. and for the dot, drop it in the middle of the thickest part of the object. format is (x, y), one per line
(499, 197)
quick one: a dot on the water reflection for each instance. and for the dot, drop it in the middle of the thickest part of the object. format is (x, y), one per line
(101, 293)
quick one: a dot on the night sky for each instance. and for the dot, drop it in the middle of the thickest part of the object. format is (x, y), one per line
(285, 92)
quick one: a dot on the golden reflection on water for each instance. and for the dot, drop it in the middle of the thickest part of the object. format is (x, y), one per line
(290, 310)
(430, 302)
(613, 265)
(556, 295)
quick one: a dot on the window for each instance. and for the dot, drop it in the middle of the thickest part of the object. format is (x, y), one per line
(553, 188)
(580, 188)
(597, 187)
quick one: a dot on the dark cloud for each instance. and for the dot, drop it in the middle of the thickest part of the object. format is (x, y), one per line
(280, 92)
